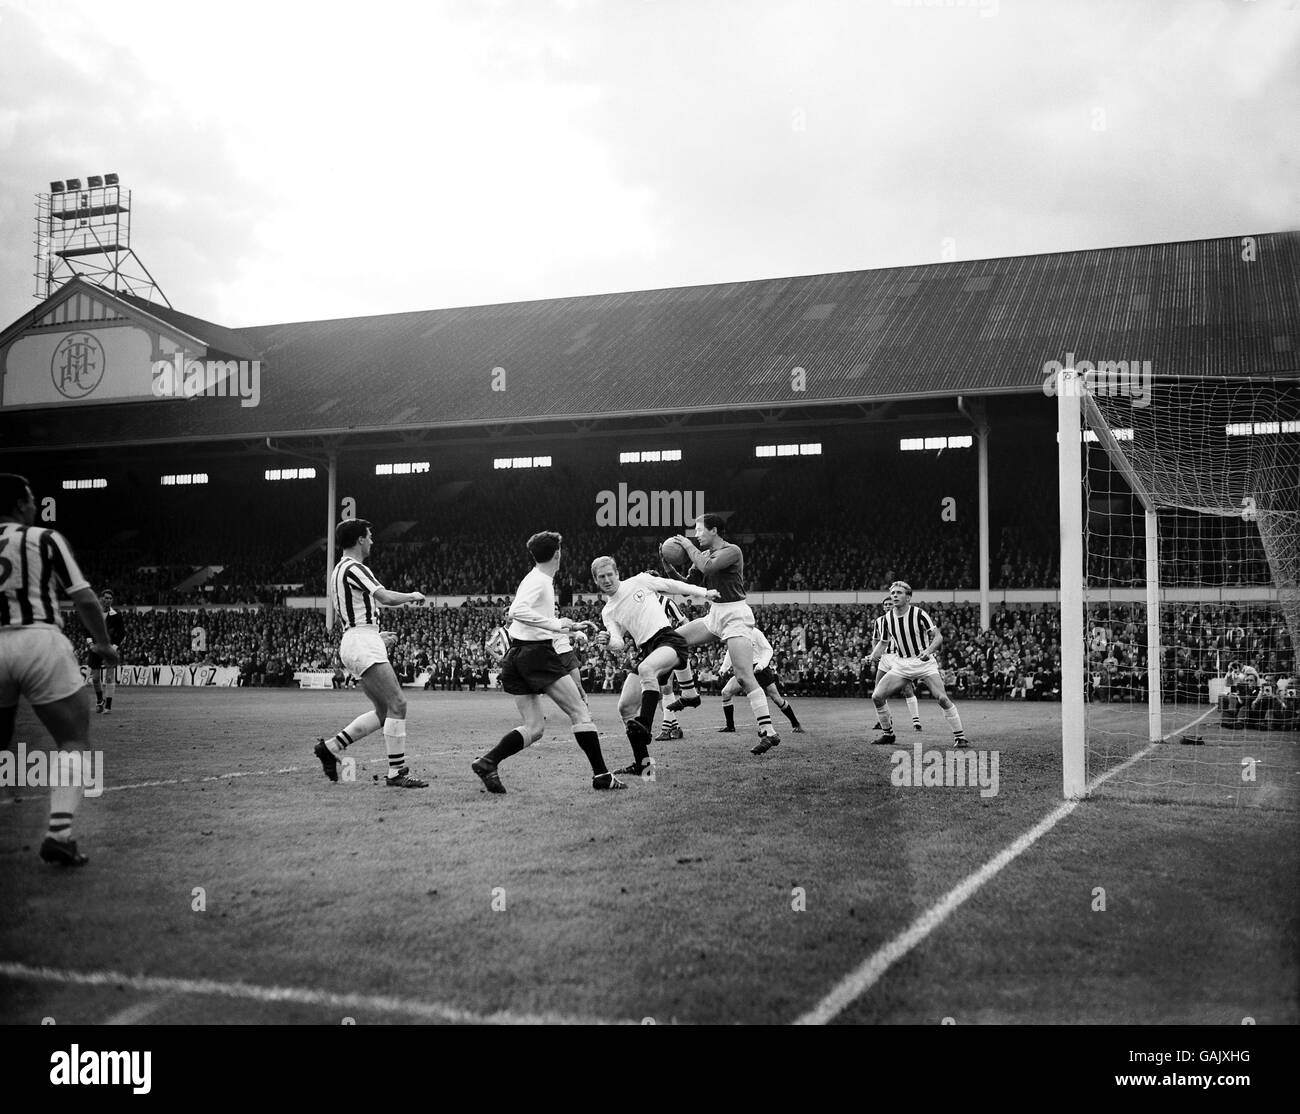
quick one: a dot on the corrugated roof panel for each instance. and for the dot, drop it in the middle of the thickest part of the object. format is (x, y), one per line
(1196, 307)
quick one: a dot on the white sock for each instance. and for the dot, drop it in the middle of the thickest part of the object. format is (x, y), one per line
(365, 724)
(950, 714)
(395, 740)
(914, 706)
(758, 702)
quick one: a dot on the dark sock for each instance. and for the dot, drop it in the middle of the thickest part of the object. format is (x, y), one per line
(649, 702)
(729, 711)
(590, 743)
(510, 744)
(640, 752)
(787, 710)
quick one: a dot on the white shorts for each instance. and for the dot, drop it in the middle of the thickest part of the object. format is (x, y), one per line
(730, 620)
(887, 662)
(37, 662)
(913, 669)
(360, 649)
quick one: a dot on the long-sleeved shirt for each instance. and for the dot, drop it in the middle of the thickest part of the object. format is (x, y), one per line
(635, 608)
(532, 611)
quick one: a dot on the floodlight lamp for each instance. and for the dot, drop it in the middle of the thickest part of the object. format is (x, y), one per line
(94, 182)
(56, 187)
(74, 184)
(110, 179)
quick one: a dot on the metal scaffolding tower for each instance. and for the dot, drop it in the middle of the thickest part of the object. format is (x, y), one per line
(86, 230)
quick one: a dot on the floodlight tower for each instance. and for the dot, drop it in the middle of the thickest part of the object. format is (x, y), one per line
(86, 230)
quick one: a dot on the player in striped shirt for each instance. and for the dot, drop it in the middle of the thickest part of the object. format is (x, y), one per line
(36, 658)
(363, 650)
(633, 609)
(913, 632)
(887, 662)
(669, 727)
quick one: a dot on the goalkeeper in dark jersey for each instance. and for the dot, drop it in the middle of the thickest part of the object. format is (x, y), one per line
(104, 677)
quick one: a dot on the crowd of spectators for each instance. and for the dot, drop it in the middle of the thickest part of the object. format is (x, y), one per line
(806, 525)
(819, 649)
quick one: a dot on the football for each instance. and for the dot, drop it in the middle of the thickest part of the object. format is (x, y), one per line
(673, 552)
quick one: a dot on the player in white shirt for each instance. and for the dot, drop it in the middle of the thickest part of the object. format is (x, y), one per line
(913, 632)
(363, 650)
(531, 667)
(633, 611)
(764, 675)
(36, 658)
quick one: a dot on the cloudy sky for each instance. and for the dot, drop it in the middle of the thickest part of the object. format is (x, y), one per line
(302, 161)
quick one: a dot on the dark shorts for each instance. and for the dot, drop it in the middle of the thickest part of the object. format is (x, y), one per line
(570, 660)
(666, 637)
(766, 677)
(93, 660)
(529, 668)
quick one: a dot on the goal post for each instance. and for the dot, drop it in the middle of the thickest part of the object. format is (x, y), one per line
(1180, 557)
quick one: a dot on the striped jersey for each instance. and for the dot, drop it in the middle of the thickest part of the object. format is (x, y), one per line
(676, 616)
(353, 587)
(881, 633)
(36, 567)
(909, 632)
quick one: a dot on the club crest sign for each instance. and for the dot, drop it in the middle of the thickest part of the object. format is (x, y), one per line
(77, 366)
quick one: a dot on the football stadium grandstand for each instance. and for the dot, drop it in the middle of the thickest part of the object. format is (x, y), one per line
(785, 404)
(854, 429)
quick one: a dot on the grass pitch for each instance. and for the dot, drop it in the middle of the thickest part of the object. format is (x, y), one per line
(229, 882)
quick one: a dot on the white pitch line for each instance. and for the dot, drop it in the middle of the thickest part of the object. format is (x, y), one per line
(198, 780)
(216, 777)
(862, 978)
(346, 1004)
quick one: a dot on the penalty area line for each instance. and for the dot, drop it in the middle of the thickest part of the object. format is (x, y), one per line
(862, 978)
(292, 995)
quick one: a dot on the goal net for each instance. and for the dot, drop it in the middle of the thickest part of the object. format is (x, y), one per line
(1186, 616)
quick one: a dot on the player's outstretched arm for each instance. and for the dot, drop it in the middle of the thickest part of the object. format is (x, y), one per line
(675, 587)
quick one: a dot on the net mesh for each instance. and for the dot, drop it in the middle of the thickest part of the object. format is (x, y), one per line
(1219, 461)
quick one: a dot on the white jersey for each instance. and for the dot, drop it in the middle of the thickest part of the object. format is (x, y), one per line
(353, 587)
(532, 612)
(762, 653)
(635, 610)
(36, 567)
